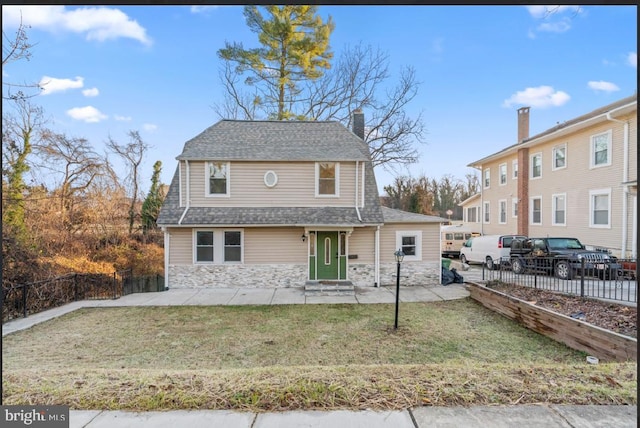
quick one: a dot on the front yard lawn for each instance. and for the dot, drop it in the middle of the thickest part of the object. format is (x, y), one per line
(265, 358)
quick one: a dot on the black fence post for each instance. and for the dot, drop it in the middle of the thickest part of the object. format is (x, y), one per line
(75, 287)
(582, 277)
(114, 285)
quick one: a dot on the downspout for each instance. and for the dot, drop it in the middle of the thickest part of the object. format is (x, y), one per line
(167, 246)
(188, 195)
(625, 179)
(356, 196)
(376, 257)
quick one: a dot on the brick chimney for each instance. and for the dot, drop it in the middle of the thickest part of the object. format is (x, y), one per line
(523, 123)
(358, 123)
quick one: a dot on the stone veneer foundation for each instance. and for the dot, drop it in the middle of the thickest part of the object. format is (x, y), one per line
(295, 275)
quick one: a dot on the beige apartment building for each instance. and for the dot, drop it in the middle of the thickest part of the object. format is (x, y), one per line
(576, 179)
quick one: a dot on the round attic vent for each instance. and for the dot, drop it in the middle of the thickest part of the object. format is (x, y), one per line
(270, 178)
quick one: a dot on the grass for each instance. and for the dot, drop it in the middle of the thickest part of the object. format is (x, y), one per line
(264, 358)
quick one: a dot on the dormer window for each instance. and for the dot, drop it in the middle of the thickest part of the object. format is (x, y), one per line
(217, 178)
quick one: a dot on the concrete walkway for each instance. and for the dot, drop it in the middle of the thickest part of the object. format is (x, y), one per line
(247, 296)
(521, 416)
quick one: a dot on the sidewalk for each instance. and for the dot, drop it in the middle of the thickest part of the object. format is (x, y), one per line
(520, 416)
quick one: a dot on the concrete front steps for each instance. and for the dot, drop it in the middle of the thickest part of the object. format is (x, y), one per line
(329, 288)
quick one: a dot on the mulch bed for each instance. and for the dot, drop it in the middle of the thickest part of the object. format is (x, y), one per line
(610, 316)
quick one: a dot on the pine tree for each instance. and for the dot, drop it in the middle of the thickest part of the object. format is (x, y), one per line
(153, 202)
(295, 48)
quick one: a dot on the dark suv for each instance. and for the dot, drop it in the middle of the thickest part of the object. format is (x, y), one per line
(563, 257)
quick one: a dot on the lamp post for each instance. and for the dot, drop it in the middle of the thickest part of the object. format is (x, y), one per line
(399, 256)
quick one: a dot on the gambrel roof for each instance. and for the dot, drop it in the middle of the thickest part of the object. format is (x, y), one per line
(283, 141)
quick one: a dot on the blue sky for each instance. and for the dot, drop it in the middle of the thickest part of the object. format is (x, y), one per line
(154, 69)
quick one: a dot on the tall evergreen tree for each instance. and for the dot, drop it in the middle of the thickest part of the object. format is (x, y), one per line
(153, 202)
(295, 48)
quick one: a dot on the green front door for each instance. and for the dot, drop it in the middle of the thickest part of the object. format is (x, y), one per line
(327, 255)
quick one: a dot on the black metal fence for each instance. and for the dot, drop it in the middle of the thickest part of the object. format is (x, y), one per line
(26, 299)
(619, 283)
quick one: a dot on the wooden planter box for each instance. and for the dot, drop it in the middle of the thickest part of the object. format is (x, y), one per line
(604, 344)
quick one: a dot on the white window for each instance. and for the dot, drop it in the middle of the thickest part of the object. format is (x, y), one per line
(601, 149)
(327, 179)
(536, 165)
(486, 212)
(487, 178)
(204, 246)
(232, 246)
(600, 208)
(503, 173)
(514, 207)
(559, 209)
(472, 215)
(217, 178)
(536, 210)
(514, 168)
(219, 246)
(559, 157)
(410, 242)
(503, 211)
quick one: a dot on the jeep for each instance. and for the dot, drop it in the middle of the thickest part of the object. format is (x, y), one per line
(564, 257)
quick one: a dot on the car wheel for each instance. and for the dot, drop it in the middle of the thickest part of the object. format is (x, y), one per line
(563, 270)
(463, 259)
(516, 266)
(490, 264)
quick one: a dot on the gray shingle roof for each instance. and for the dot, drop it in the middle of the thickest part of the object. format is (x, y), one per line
(275, 141)
(281, 141)
(392, 215)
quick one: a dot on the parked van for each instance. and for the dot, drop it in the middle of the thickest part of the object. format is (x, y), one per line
(488, 249)
(453, 238)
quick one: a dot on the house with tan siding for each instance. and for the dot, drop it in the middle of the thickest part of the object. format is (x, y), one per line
(284, 204)
(576, 179)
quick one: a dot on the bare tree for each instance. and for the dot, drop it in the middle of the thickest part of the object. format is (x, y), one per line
(73, 163)
(357, 80)
(16, 48)
(133, 154)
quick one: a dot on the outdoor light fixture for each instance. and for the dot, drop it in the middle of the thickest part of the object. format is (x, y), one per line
(304, 237)
(399, 257)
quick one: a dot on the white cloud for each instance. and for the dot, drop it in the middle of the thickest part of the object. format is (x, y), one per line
(122, 118)
(541, 97)
(541, 12)
(87, 114)
(149, 127)
(97, 23)
(603, 86)
(202, 9)
(50, 85)
(555, 27)
(632, 59)
(91, 92)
